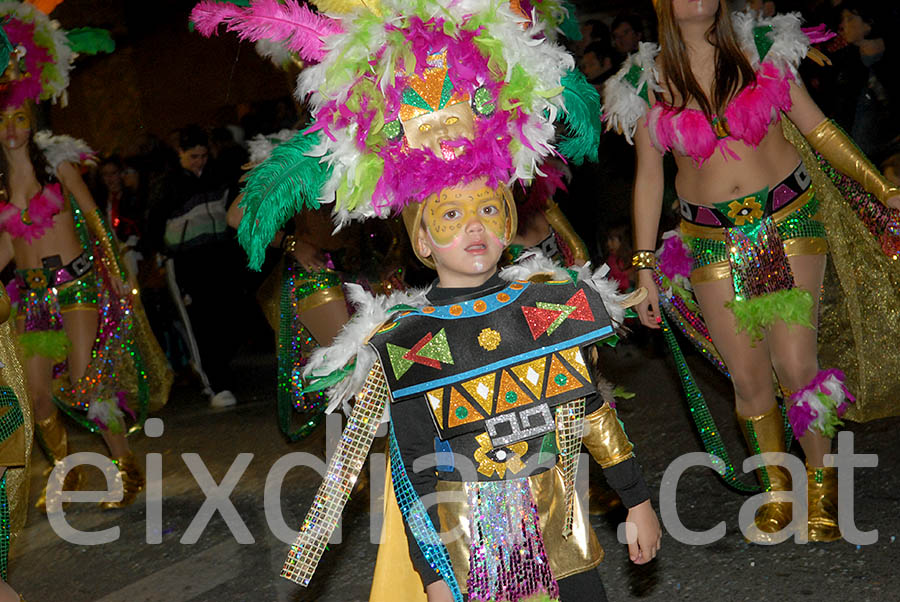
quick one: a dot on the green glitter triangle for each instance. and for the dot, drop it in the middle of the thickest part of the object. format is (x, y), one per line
(438, 349)
(446, 91)
(412, 98)
(565, 309)
(398, 362)
(548, 448)
(762, 40)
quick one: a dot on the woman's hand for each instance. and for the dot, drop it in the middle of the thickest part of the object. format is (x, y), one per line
(643, 547)
(438, 591)
(648, 309)
(309, 258)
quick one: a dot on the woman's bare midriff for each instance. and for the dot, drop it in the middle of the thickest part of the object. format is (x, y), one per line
(721, 179)
(60, 239)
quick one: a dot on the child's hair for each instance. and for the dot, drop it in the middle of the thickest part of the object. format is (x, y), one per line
(622, 232)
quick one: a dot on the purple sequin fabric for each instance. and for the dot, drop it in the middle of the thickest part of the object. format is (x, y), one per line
(507, 558)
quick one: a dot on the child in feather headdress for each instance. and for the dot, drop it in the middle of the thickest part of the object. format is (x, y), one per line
(430, 109)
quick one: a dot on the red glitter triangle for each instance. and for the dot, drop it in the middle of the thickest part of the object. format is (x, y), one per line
(583, 311)
(539, 320)
(413, 354)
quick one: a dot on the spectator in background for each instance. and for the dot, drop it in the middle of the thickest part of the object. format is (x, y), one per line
(189, 223)
(597, 63)
(863, 25)
(627, 33)
(121, 208)
(766, 8)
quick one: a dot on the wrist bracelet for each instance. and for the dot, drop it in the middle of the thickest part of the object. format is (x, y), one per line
(643, 260)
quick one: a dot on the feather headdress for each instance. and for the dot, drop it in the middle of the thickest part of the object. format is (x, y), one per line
(369, 57)
(44, 52)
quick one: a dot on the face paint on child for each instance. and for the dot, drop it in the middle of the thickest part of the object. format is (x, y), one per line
(447, 216)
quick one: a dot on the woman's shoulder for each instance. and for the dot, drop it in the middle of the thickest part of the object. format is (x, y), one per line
(60, 148)
(626, 95)
(779, 40)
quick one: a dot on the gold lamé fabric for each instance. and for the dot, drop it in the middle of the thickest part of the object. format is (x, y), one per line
(395, 578)
(859, 323)
(605, 438)
(579, 552)
(160, 374)
(561, 225)
(17, 477)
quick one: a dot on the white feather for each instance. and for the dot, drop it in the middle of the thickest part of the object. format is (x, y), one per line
(59, 148)
(261, 146)
(275, 52)
(622, 105)
(106, 411)
(789, 43)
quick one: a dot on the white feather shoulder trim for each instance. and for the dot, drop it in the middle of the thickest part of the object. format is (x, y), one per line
(59, 148)
(789, 43)
(352, 341)
(623, 103)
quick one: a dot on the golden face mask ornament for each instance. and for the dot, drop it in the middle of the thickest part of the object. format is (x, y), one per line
(433, 113)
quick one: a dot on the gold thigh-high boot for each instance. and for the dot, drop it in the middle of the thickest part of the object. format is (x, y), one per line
(132, 481)
(51, 433)
(765, 433)
(822, 497)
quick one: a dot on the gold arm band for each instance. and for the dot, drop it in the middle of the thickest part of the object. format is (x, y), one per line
(643, 260)
(319, 298)
(558, 221)
(605, 437)
(107, 254)
(837, 147)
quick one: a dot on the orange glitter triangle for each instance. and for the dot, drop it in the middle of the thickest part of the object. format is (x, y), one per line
(461, 411)
(511, 394)
(560, 380)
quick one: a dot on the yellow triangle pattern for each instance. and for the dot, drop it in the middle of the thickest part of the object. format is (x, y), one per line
(511, 394)
(575, 358)
(532, 374)
(560, 380)
(461, 411)
(482, 390)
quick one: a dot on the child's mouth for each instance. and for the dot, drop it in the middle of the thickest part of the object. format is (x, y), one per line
(477, 248)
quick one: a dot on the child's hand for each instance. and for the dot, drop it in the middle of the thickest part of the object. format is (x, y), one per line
(643, 547)
(439, 591)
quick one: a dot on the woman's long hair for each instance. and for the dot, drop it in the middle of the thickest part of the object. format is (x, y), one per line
(733, 71)
(42, 171)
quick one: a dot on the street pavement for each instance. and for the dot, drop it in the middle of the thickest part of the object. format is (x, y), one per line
(242, 565)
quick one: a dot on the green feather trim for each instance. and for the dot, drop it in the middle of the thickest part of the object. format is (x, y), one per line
(277, 189)
(582, 117)
(90, 40)
(570, 27)
(320, 383)
(52, 344)
(792, 306)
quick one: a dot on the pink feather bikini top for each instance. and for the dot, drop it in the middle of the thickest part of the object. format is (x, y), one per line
(747, 119)
(31, 222)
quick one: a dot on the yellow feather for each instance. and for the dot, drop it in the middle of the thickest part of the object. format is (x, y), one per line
(347, 6)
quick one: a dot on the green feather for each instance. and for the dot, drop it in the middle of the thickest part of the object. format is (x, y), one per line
(582, 117)
(320, 383)
(90, 40)
(277, 189)
(570, 27)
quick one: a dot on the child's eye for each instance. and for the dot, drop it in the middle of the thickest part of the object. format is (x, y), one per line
(451, 120)
(452, 214)
(424, 127)
(490, 210)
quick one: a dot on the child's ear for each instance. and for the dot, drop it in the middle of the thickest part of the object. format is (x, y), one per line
(422, 242)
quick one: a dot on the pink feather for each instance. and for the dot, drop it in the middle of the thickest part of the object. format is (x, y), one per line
(300, 29)
(818, 34)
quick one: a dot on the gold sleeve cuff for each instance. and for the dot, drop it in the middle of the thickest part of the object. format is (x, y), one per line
(843, 154)
(605, 437)
(558, 221)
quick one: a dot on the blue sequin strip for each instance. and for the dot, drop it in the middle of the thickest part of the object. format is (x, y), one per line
(415, 515)
(343, 470)
(569, 432)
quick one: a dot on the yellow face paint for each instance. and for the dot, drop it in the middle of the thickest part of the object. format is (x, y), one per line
(450, 123)
(447, 215)
(18, 118)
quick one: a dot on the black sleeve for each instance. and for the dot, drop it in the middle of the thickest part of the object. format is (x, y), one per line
(415, 437)
(626, 478)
